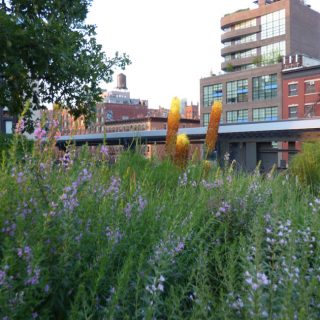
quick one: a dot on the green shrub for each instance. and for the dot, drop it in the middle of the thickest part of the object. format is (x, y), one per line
(17, 144)
(306, 165)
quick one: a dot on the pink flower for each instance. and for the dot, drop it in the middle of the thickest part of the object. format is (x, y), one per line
(39, 133)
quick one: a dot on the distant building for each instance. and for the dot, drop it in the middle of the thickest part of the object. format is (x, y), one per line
(191, 111)
(301, 94)
(121, 95)
(152, 123)
(160, 112)
(7, 121)
(254, 42)
(301, 88)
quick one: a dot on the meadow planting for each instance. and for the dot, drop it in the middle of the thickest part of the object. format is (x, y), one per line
(148, 239)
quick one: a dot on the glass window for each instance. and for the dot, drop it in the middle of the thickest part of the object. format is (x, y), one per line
(264, 87)
(237, 91)
(273, 53)
(237, 116)
(309, 111)
(310, 87)
(246, 54)
(293, 112)
(273, 24)
(265, 114)
(246, 24)
(246, 39)
(211, 94)
(292, 89)
(8, 125)
(206, 117)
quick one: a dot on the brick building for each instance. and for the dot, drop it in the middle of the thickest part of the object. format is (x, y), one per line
(254, 42)
(301, 94)
(152, 123)
(105, 113)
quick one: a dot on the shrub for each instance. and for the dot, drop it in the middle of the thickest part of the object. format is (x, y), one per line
(306, 165)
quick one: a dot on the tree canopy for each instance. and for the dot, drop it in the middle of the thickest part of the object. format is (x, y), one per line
(48, 54)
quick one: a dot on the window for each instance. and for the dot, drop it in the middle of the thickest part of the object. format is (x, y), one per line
(237, 91)
(237, 116)
(246, 39)
(292, 89)
(310, 87)
(8, 125)
(245, 54)
(206, 117)
(293, 112)
(265, 114)
(273, 24)
(212, 93)
(273, 52)
(309, 111)
(264, 87)
(246, 24)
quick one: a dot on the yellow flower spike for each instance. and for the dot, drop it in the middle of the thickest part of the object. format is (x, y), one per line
(213, 127)
(182, 150)
(173, 126)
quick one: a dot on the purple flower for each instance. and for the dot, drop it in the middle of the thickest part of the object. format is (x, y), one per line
(20, 178)
(142, 203)
(46, 288)
(34, 315)
(2, 277)
(104, 150)
(128, 210)
(39, 133)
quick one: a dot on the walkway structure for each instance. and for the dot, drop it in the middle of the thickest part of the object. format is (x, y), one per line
(246, 142)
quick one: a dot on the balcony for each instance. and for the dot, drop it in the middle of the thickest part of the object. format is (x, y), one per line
(239, 47)
(237, 62)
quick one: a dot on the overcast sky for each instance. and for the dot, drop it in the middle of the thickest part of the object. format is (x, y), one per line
(172, 43)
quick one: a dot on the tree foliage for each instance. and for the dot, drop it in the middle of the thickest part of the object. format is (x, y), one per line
(48, 54)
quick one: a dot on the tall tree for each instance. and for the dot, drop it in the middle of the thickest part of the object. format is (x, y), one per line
(49, 55)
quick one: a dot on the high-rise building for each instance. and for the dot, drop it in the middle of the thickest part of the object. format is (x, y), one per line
(254, 42)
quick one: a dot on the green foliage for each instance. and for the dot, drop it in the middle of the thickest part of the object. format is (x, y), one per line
(49, 55)
(19, 143)
(306, 165)
(140, 239)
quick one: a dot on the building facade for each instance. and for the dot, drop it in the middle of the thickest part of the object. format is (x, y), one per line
(301, 92)
(153, 123)
(254, 42)
(7, 121)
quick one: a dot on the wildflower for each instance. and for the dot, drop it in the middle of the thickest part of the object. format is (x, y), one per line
(104, 150)
(173, 126)
(39, 133)
(212, 131)
(182, 150)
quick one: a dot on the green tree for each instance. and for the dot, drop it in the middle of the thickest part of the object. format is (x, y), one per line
(49, 55)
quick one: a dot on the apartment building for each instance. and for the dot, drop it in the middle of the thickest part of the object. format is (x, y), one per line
(254, 42)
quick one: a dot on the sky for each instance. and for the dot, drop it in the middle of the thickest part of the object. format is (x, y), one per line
(172, 43)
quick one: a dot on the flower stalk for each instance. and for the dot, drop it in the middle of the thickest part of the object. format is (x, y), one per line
(213, 127)
(173, 127)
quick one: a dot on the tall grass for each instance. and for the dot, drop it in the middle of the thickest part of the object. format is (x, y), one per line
(140, 239)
